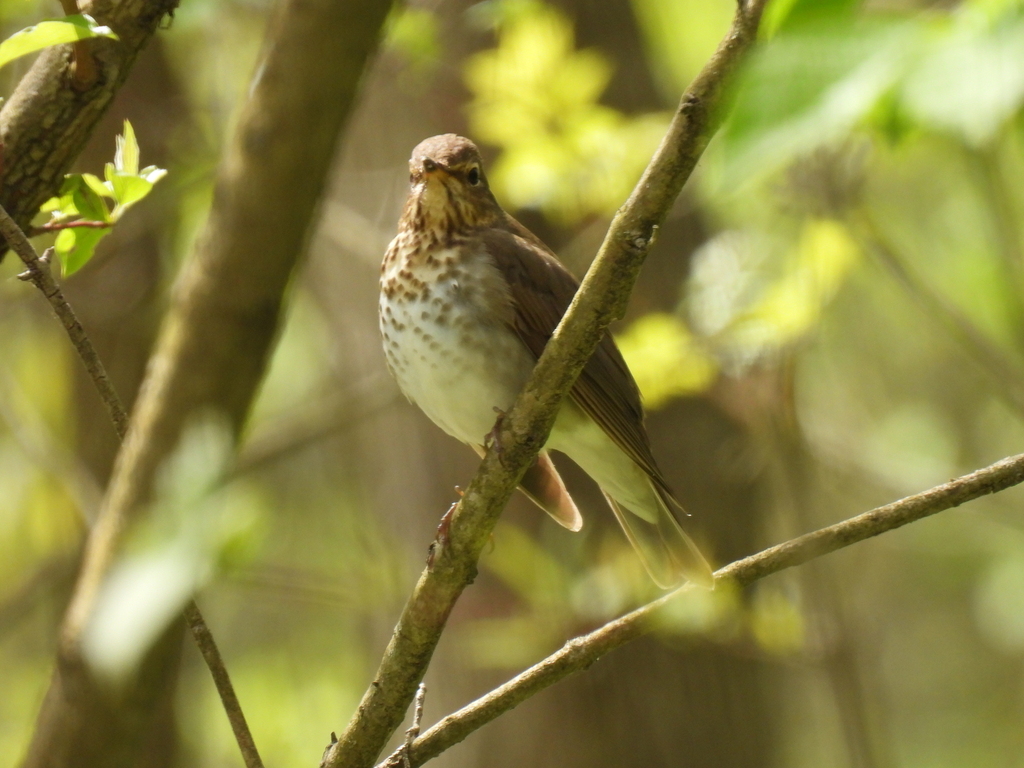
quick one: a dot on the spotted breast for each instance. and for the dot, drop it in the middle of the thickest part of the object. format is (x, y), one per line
(444, 318)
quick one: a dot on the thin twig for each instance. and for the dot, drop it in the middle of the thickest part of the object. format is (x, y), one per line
(414, 729)
(211, 655)
(39, 274)
(579, 653)
(601, 299)
(57, 226)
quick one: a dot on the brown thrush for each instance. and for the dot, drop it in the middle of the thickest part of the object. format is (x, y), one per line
(468, 299)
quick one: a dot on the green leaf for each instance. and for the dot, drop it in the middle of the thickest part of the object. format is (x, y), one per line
(785, 108)
(52, 32)
(129, 189)
(97, 186)
(90, 205)
(665, 359)
(76, 247)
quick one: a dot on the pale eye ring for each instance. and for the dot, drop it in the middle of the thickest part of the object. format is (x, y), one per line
(473, 176)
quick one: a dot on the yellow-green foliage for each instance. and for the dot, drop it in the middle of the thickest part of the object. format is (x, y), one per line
(536, 97)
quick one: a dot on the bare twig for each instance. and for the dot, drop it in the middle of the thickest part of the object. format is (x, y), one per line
(601, 299)
(211, 655)
(581, 652)
(414, 729)
(40, 275)
(57, 226)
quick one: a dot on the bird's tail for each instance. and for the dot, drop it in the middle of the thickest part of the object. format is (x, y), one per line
(668, 554)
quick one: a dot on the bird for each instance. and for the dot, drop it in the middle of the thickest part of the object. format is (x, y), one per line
(468, 299)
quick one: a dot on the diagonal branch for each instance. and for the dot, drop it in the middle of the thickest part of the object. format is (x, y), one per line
(39, 274)
(601, 299)
(581, 652)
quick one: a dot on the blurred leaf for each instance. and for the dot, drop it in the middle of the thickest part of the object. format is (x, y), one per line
(413, 32)
(535, 97)
(745, 311)
(999, 604)
(911, 447)
(776, 621)
(793, 14)
(961, 72)
(194, 526)
(506, 643)
(971, 81)
(525, 566)
(791, 307)
(665, 359)
(53, 32)
(785, 109)
(681, 35)
(703, 612)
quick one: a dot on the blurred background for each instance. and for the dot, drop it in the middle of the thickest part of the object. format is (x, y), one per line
(831, 318)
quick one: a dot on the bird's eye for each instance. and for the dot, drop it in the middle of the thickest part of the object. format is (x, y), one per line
(473, 177)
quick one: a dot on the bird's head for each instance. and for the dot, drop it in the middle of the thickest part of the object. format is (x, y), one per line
(448, 189)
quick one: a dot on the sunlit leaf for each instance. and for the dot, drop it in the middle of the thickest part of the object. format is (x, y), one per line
(665, 358)
(88, 204)
(536, 97)
(129, 189)
(96, 185)
(54, 32)
(76, 246)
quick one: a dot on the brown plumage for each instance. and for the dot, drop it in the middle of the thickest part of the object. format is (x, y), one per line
(469, 299)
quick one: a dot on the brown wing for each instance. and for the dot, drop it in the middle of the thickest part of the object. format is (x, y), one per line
(541, 291)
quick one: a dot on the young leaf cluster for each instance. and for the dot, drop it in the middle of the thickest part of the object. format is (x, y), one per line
(81, 212)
